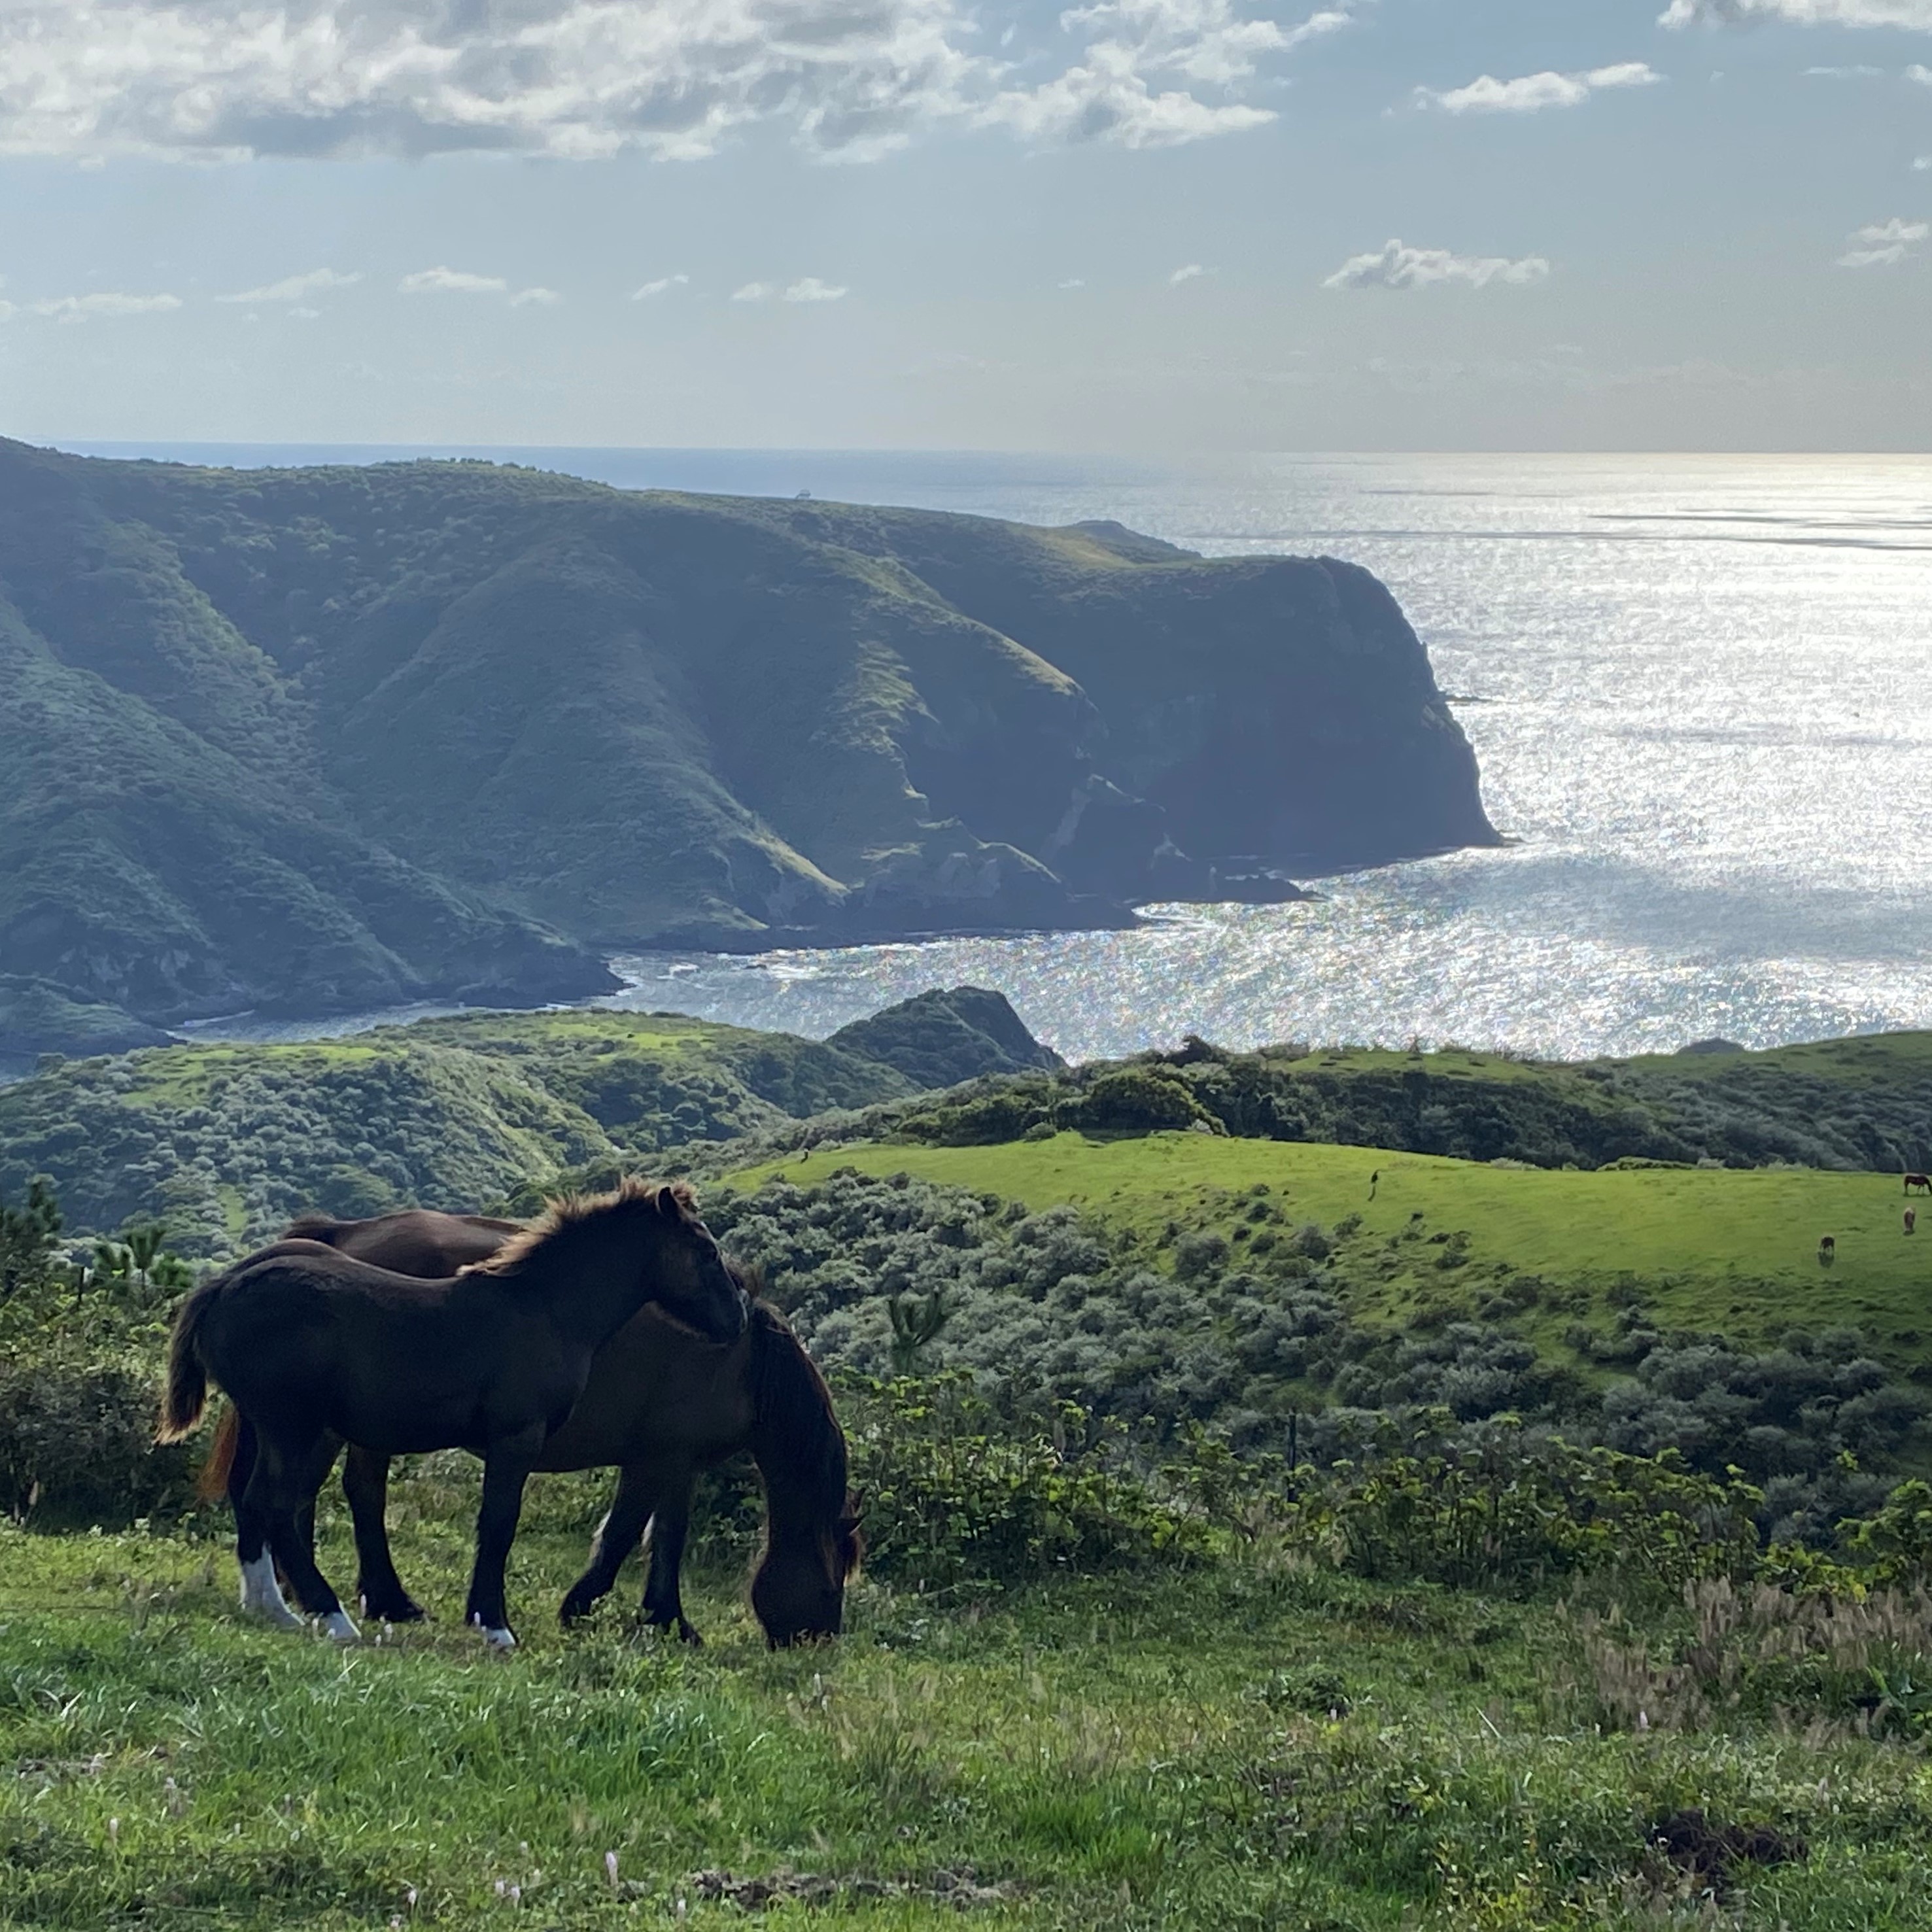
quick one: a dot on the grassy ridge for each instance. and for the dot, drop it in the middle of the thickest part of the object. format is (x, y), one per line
(1726, 1252)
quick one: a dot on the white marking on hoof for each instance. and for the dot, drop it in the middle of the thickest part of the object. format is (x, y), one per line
(502, 1639)
(262, 1595)
(337, 1625)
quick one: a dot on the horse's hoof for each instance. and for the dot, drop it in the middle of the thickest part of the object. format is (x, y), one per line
(500, 1637)
(337, 1626)
(687, 1634)
(396, 1610)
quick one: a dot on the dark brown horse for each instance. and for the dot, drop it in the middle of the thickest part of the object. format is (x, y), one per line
(315, 1348)
(663, 1406)
(1920, 1183)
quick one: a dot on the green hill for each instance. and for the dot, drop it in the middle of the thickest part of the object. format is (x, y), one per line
(303, 740)
(227, 1142)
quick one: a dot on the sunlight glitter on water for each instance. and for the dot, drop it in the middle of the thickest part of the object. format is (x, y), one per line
(1701, 707)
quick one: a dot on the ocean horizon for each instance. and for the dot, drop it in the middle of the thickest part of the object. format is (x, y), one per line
(1694, 684)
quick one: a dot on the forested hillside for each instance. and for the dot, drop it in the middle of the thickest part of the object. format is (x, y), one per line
(447, 729)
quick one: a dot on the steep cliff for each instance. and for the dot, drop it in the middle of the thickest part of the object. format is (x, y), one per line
(312, 738)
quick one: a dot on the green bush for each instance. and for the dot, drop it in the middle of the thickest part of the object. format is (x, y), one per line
(76, 1440)
(1505, 1513)
(953, 1490)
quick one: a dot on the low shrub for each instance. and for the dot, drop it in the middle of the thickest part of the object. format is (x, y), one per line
(953, 1489)
(1504, 1513)
(76, 1440)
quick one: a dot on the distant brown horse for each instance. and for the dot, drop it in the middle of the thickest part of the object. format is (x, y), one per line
(1828, 1250)
(663, 1406)
(1918, 1183)
(314, 1347)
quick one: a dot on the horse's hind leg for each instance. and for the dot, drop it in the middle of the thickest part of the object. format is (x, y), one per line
(365, 1482)
(291, 1470)
(248, 1495)
(616, 1537)
(663, 1600)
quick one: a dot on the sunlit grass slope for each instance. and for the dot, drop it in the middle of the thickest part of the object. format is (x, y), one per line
(1721, 1250)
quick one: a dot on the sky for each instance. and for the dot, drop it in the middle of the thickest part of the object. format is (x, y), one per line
(1147, 226)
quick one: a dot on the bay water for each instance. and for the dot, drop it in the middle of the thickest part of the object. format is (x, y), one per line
(1699, 687)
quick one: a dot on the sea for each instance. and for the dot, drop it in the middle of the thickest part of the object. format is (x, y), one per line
(1699, 689)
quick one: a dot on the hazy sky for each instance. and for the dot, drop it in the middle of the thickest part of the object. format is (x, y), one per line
(1143, 225)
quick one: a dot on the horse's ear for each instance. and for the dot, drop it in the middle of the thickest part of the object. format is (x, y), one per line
(669, 1204)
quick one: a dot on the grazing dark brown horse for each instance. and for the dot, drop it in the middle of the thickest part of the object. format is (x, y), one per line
(314, 1347)
(663, 1406)
(1918, 1183)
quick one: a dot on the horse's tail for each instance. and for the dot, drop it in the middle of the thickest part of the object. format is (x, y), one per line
(212, 1485)
(186, 1394)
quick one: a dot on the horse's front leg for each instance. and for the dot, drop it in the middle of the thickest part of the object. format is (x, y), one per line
(365, 1482)
(670, 1526)
(616, 1537)
(506, 1468)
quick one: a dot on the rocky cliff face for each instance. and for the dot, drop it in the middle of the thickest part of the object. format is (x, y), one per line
(320, 738)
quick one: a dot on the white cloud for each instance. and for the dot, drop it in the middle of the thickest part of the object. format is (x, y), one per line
(1532, 92)
(535, 298)
(1921, 74)
(810, 289)
(577, 79)
(1107, 95)
(1395, 265)
(1884, 245)
(1192, 271)
(293, 288)
(440, 281)
(753, 292)
(1799, 13)
(1844, 74)
(1922, 164)
(658, 287)
(1072, 282)
(79, 308)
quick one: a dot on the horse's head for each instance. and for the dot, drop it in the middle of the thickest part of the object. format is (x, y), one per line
(798, 1591)
(692, 1281)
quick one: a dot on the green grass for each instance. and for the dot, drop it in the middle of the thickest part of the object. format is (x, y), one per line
(1257, 1746)
(1711, 1250)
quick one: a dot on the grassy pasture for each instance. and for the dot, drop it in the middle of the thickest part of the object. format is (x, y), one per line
(1257, 1746)
(1713, 1249)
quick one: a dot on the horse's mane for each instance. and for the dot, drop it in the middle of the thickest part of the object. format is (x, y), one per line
(571, 1212)
(795, 1437)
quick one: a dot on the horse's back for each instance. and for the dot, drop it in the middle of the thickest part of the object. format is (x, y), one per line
(658, 1391)
(413, 1241)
